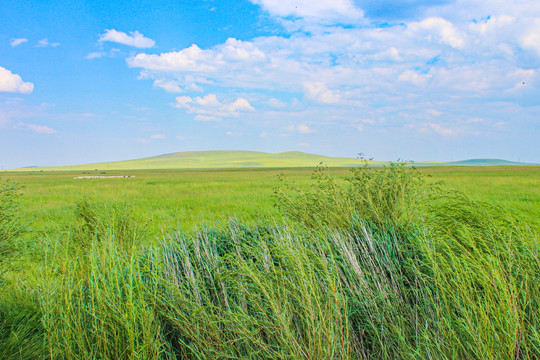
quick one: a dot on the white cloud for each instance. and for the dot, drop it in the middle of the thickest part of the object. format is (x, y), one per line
(531, 38)
(135, 38)
(240, 104)
(440, 30)
(17, 42)
(438, 129)
(416, 70)
(317, 91)
(192, 59)
(10, 82)
(170, 86)
(325, 11)
(209, 108)
(244, 51)
(415, 78)
(45, 43)
(209, 100)
(96, 55)
(304, 129)
(183, 102)
(206, 118)
(42, 129)
(180, 137)
(158, 136)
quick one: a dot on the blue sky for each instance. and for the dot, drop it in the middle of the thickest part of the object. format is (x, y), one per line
(89, 81)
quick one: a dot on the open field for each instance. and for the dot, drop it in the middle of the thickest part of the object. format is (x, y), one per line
(173, 199)
(382, 266)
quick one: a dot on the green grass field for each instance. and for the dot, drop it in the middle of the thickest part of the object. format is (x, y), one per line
(381, 267)
(172, 199)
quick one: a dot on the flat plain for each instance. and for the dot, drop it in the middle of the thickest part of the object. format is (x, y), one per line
(186, 199)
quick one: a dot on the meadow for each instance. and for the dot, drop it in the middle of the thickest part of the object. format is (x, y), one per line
(185, 199)
(268, 263)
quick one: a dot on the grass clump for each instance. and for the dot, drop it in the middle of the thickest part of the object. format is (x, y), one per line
(94, 297)
(11, 225)
(388, 195)
(270, 295)
(107, 223)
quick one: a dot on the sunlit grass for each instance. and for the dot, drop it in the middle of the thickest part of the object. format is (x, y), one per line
(380, 266)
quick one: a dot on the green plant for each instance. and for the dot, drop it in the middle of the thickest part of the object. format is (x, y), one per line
(11, 225)
(390, 194)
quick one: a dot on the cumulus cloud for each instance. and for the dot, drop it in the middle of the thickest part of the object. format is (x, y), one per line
(17, 42)
(192, 59)
(135, 38)
(240, 104)
(195, 59)
(319, 92)
(209, 100)
(440, 30)
(209, 108)
(10, 82)
(437, 60)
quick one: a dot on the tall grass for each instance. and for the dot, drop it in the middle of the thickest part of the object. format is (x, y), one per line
(20, 319)
(389, 195)
(11, 225)
(381, 266)
(251, 293)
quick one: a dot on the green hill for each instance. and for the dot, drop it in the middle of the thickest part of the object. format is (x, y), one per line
(215, 159)
(246, 159)
(484, 162)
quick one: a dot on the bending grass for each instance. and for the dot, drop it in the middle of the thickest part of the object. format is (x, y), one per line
(387, 276)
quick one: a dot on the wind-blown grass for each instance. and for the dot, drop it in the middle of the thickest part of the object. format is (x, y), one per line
(384, 266)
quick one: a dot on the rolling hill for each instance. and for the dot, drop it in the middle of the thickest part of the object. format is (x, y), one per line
(246, 159)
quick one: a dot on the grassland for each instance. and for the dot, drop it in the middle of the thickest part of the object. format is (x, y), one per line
(247, 159)
(382, 266)
(172, 199)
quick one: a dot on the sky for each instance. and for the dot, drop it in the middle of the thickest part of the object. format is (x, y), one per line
(90, 81)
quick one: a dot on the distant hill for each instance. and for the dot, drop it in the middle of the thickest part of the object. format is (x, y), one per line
(483, 162)
(247, 159)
